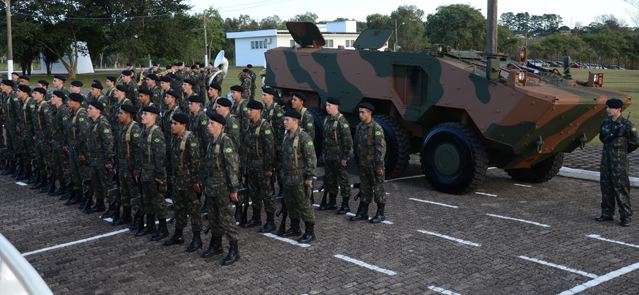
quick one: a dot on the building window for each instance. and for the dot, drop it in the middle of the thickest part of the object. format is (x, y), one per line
(252, 44)
(329, 43)
(350, 43)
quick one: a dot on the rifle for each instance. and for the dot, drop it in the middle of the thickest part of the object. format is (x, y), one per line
(241, 207)
(284, 213)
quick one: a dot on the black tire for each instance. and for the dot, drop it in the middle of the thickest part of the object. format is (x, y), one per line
(540, 172)
(453, 158)
(397, 146)
(318, 121)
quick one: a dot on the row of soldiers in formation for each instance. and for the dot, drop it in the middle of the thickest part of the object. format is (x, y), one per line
(133, 155)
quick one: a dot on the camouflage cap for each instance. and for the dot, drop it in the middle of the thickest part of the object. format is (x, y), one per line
(614, 103)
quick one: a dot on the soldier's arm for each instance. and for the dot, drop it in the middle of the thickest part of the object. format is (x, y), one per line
(83, 136)
(138, 143)
(309, 126)
(193, 150)
(159, 155)
(107, 142)
(380, 147)
(633, 137)
(268, 147)
(347, 139)
(310, 160)
(231, 164)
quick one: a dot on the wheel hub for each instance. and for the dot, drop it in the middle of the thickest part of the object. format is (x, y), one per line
(447, 159)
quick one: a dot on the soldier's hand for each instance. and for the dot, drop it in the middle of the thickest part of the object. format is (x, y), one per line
(197, 188)
(343, 163)
(108, 166)
(82, 158)
(268, 173)
(308, 183)
(136, 176)
(234, 197)
(65, 149)
(379, 172)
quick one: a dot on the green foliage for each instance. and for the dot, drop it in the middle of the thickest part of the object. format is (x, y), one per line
(459, 25)
(532, 25)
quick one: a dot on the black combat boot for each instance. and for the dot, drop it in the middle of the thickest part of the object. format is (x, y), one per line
(343, 209)
(323, 205)
(215, 248)
(51, 191)
(35, 183)
(269, 226)
(149, 228)
(625, 221)
(176, 238)
(604, 217)
(126, 216)
(11, 168)
(137, 226)
(379, 215)
(256, 220)
(74, 197)
(362, 212)
(45, 187)
(114, 209)
(309, 234)
(162, 231)
(294, 230)
(20, 172)
(234, 254)
(110, 211)
(196, 243)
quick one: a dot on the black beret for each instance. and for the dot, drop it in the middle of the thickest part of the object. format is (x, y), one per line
(180, 118)
(96, 84)
(224, 102)
(24, 77)
(111, 78)
(237, 88)
(153, 77)
(165, 79)
(151, 109)
(129, 109)
(40, 89)
(333, 100)
(249, 65)
(270, 90)
(293, 114)
(614, 103)
(216, 86)
(97, 105)
(15, 73)
(299, 95)
(127, 73)
(76, 83)
(8, 82)
(173, 93)
(24, 88)
(145, 91)
(365, 105)
(154, 64)
(60, 94)
(76, 97)
(196, 98)
(189, 81)
(59, 77)
(254, 105)
(121, 88)
(43, 82)
(217, 118)
(179, 63)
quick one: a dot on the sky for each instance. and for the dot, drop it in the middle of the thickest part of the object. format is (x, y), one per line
(572, 11)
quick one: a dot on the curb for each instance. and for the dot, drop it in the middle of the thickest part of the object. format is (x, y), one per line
(589, 175)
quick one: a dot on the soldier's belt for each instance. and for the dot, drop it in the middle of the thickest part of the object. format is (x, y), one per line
(294, 172)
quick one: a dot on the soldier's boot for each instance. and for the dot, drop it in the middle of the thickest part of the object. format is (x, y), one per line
(162, 231)
(233, 255)
(256, 219)
(323, 205)
(29, 175)
(362, 212)
(126, 216)
(20, 171)
(625, 221)
(11, 168)
(343, 209)
(176, 238)
(215, 248)
(149, 228)
(110, 212)
(379, 215)
(281, 230)
(137, 226)
(51, 191)
(114, 209)
(269, 226)
(294, 230)
(332, 201)
(35, 181)
(309, 234)
(86, 196)
(74, 197)
(604, 217)
(45, 187)
(196, 243)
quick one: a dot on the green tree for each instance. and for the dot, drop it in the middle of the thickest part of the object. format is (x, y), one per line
(411, 33)
(459, 25)
(306, 17)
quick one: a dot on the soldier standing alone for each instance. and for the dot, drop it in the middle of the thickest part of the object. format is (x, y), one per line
(619, 137)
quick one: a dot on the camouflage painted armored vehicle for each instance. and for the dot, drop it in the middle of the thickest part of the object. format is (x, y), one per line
(442, 105)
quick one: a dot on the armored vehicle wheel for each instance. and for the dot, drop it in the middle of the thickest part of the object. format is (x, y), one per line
(453, 158)
(397, 146)
(540, 172)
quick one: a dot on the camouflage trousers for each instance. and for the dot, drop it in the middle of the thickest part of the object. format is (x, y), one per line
(42, 162)
(80, 172)
(615, 188)
(297, 200)
(129, 195)
(101, 181)
(26, 150)
(153, 199)
(10, 138)
(221, 219)
(336, 178)
(260, 191)
(371, 186)
(57, 163)
(187, 203)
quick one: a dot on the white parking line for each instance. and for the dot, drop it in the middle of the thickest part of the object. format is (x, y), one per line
(485, 194)
(557, 266)
(598, 237)
(316, 205)
(464, 242)
(384, 222)
(20, 183)
(365, 265)
(601, 279)
(523, 185)
(442, 291)
(491, 168)
(76, 242)
(404, 178)
(292, 242)
(433, 203)
(517, 219)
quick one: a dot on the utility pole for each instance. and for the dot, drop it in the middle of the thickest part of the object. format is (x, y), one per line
(9, 40)
(206, 44)
(395, 47)
(492, 60)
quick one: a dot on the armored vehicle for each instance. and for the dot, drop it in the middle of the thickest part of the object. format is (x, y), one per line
(446, 105)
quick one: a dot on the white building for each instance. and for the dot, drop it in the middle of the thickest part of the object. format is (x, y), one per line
(250, 46)
(83, 65)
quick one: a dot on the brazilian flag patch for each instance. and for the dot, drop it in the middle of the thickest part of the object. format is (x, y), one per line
(204, 122)
(235, 126)
(378, 133)
(193, 144)
(267, 132)
(310, 143)
(136, 135)
(228, 150)
(81, 119)
(106, 131)
(345, 125)
(279, 115)
(157, 140)
(309, 124)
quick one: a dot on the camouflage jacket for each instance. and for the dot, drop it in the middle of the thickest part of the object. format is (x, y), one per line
(259, 146)
(158, 96)
(56, 117)
(12, 113)
(274, 114)
(43, 131)
(165, 123)
(27, 117)
(239, 111)
(151, 156)
(115, 125)
(198, 124)
(338, 141)
(185, 159)
(618, 137)
(221, 164)
(126, 147)
(210, 105)
(100, 142)
(131, 92)
(307, 123)
(298, 155)
(232, 129)
(78, 131)
(247, 85)
(370, 145)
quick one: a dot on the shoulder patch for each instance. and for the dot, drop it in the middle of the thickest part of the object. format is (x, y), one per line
(156, 140)
(310, 143)
(235, 126)
(136, 135)
(378, 133)
(193, 144)
(279, 115)
(228, 150)
(309, 124)
(81, 119)
(267, 132)
(46, 111)
(204, 122)
(107, 131)
(345, 125)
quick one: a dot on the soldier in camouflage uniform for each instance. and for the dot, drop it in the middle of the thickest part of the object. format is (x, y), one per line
(198, 121)
(120, 96)
(298, 168)
(338, 144)
(58, 85)
(307, 124)
(101, 160)
(245, 82)
(96, 95)
(619, 137)
(152, 173)
(126, 149)
(56, 116)
(42, 135)
(220, 188)
(185, 176)
(77, 131)
(170, 99)
(24, 131)
(165, 86)
(156, 92)
(10, 108)
(131, 89)
(109, 92)
(253, 77)
(144, 100)
(371, 149)
(213, 94)
(274, 114)
(239, 106)
(260, 150)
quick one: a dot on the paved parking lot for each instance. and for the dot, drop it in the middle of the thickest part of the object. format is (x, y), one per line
(503, 238)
